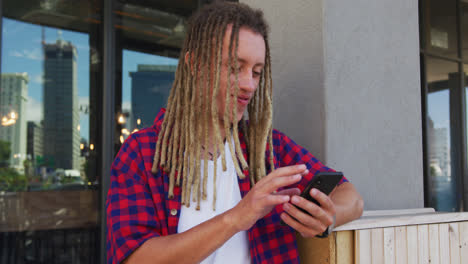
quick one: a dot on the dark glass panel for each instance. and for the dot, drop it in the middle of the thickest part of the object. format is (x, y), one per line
(440, 27)
(442, 80)
(149, 37)
(147, 80)
(464, 26)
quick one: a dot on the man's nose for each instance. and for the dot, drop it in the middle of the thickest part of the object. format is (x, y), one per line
(247, 82)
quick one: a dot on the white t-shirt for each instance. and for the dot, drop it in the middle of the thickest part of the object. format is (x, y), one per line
(236, 249)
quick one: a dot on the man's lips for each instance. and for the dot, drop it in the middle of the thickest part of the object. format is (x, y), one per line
(243, 100)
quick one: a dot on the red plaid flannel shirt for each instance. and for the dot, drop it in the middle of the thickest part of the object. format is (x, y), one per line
(138, 209)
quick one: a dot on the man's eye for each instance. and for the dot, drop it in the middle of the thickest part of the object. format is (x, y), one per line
(257, 73)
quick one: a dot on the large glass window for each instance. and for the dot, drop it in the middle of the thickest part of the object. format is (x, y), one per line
(147, 61)
(444, 42)
(146, 82)
(49, 188)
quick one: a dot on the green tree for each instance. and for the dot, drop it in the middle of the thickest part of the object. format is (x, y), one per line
(28, 168)
(4, 153)
(12, 181)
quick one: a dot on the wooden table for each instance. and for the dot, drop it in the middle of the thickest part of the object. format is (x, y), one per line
(396, 237)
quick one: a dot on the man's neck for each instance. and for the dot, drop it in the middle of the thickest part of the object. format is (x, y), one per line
(211, 136)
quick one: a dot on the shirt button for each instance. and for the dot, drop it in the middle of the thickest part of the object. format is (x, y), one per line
(174, 212)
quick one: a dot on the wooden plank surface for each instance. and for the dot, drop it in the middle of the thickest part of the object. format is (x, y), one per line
(463, 242)
(362, 246)
(454, 237)
(423, 243)
(398, 212)
(434, 243)
(314, 250)
(444, 243)
(412, 240)
(377, 245)
(389, 245)
(332, 248)
(403, 220)
(344, 247)
(434, 256)
(401, 250)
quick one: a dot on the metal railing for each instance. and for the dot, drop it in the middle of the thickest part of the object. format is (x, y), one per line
(50, 246)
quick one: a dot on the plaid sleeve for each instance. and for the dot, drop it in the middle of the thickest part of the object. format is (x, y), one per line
(131, 214)
(289, 153)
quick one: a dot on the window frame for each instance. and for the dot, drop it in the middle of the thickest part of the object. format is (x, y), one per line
(457, 106)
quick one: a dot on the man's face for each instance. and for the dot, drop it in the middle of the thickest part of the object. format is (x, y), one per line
(251, 60)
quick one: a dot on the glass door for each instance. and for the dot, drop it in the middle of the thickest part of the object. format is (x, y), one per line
(149, 38)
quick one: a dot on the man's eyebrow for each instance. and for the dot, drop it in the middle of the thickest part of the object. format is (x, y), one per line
(241, 60)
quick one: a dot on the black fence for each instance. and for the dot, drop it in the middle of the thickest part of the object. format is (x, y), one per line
(50, 246)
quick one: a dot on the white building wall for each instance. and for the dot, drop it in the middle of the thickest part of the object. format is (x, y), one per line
(347, 87)
(14, 96)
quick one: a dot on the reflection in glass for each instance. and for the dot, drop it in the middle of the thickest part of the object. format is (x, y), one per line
(145, 89)
(441, 80)
(61, 110)
(49, 197)
(441, 28)
(464, 26)
(44, 107)
(465, 75)
(150, 40)
(164, 23)
(13, 99)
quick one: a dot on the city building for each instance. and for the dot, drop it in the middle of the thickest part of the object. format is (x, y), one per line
(439, 150)
(35, 141)
(442, 150)
(150, 89)
(13, 97)
(61, 109)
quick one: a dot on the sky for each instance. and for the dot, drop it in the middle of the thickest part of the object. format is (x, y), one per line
(22, 52)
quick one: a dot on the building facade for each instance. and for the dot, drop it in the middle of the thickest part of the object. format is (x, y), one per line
(61, 109)
(13, 99)
(35, 141)
(150, 89)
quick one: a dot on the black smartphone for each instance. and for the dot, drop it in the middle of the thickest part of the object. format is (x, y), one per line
(322, 181)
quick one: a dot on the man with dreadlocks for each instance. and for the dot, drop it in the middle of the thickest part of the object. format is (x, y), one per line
(244, 177)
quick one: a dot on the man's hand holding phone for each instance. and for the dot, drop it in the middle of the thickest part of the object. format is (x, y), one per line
(311, 218)
(263, 196)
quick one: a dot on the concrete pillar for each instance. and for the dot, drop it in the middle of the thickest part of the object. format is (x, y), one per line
(347, 87)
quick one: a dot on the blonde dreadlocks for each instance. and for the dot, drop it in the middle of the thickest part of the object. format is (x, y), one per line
(193, 96)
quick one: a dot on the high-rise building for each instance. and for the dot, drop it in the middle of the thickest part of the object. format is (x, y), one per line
(61, 109)
(13, 97)
(441, 147)
(150, 89)
(439, 150)
(35, 141)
